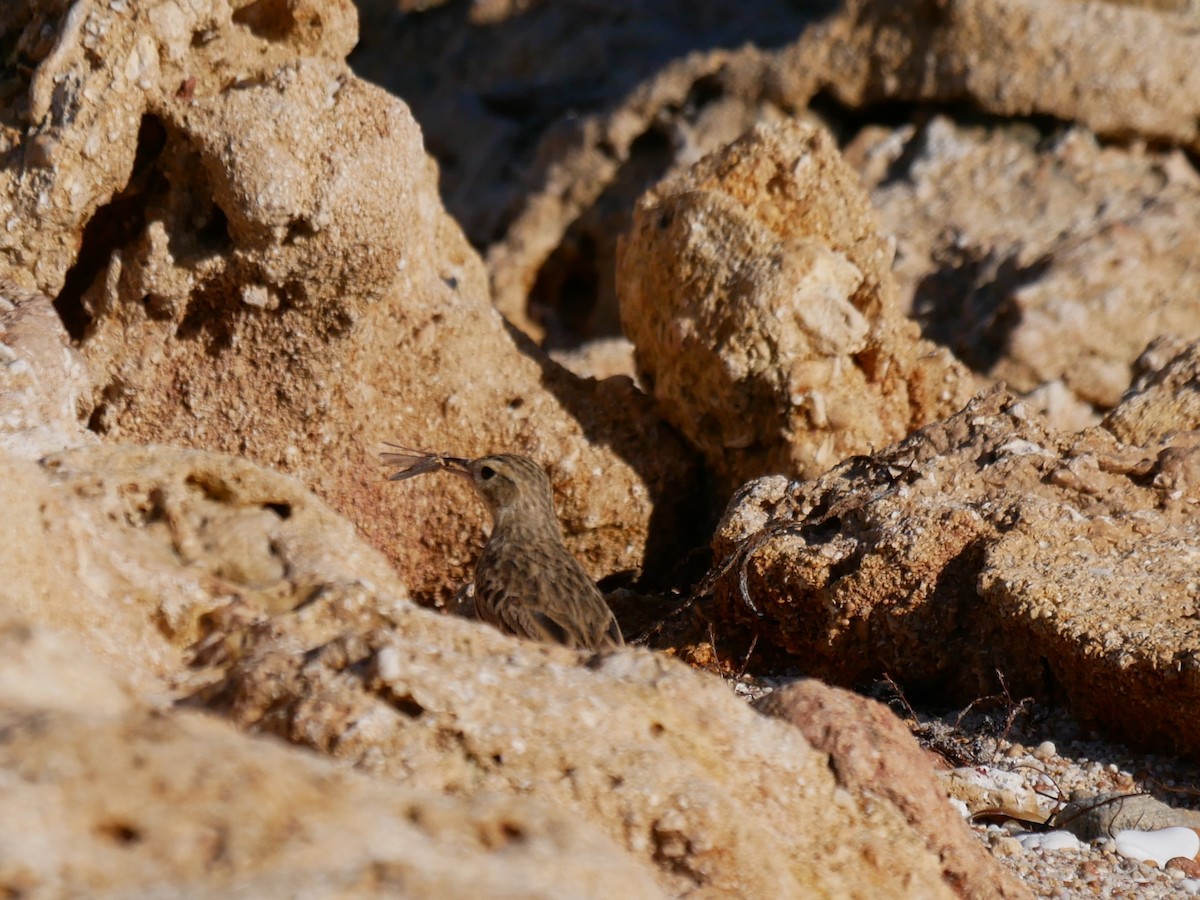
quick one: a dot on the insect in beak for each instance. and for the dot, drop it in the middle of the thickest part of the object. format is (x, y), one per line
(417, 462)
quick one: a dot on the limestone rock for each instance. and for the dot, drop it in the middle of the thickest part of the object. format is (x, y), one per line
(1165, 400)
(985, 542)
(106, 797)
(757, 292)
(1059, 273)
(1078, 62)
(666, 761)
(143, 552)
(556, 171)
(871, 750)
(247, 244)
(44, 388)
(209, 577)
(560, 152)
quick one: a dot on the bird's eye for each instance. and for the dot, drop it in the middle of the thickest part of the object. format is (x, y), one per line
(486, 472)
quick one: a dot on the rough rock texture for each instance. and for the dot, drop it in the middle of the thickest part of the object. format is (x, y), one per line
(141, 551)
(1081, 62)
(560, 150)
(668, 762)
(1165, 398)
(757, 292)
(870, 750)
(986, 789)
(555, 169)
(45, 391)
(155, 557)
(105, 797)
(1062, 270)
(986, 542)
(247, 243)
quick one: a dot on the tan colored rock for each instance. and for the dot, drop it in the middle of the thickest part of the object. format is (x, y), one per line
(757, 293)
(134, 549)
(105, 797)
(871, 751)
(986, 542)
(667, 761)
(1165, 400)
(989, 790)
(1111, 608)
(1060, 271)
(1078, 62)
(266, 269)
(159, 557)
(560, 152)
(555, 171)
(44, 385)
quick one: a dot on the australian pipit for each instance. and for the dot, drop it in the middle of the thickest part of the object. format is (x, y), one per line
(527, 582)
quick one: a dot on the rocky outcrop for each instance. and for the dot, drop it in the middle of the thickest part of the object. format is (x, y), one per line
(985, 542)
(994, 226)
(1055, 277)
(107, 796)
(758, 295)
(870, 749)
(247, 245)
(203, 576)
(250, 266)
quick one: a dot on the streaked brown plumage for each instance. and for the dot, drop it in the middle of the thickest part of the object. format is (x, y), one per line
(526, 581)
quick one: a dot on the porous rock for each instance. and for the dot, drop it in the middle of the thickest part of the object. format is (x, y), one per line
(560, 152)
(986, 542)
(246, 242)
(666, 761)
(106, 796)
(194, 574)
(151, 542)
(757, 292)
(45, 392)
(1060, 272)
(556, 171)
(1078, 62)
(871, 750)
(1165, 398)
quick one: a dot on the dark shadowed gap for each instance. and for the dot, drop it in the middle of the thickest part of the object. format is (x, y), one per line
(113, 225)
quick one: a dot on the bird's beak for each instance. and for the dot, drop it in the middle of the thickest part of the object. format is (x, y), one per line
(416, 462)
(460, 467)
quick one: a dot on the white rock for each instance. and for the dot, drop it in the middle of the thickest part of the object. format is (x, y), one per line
(1050, 840)
(1158, 846)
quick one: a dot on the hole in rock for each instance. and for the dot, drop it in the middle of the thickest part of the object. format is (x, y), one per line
(271, 20)
(213, 235)
(120, 832)
(297, 229)
(408, 706)
(112, 226)
(283, 510)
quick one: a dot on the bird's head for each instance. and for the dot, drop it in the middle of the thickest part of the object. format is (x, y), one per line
(515, 489)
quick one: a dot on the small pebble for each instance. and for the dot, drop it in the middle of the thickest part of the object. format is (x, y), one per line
(1045, 750)
(1048, 841)
(1007, 847)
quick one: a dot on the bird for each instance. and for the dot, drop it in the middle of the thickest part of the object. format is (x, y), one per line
(527, 583)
